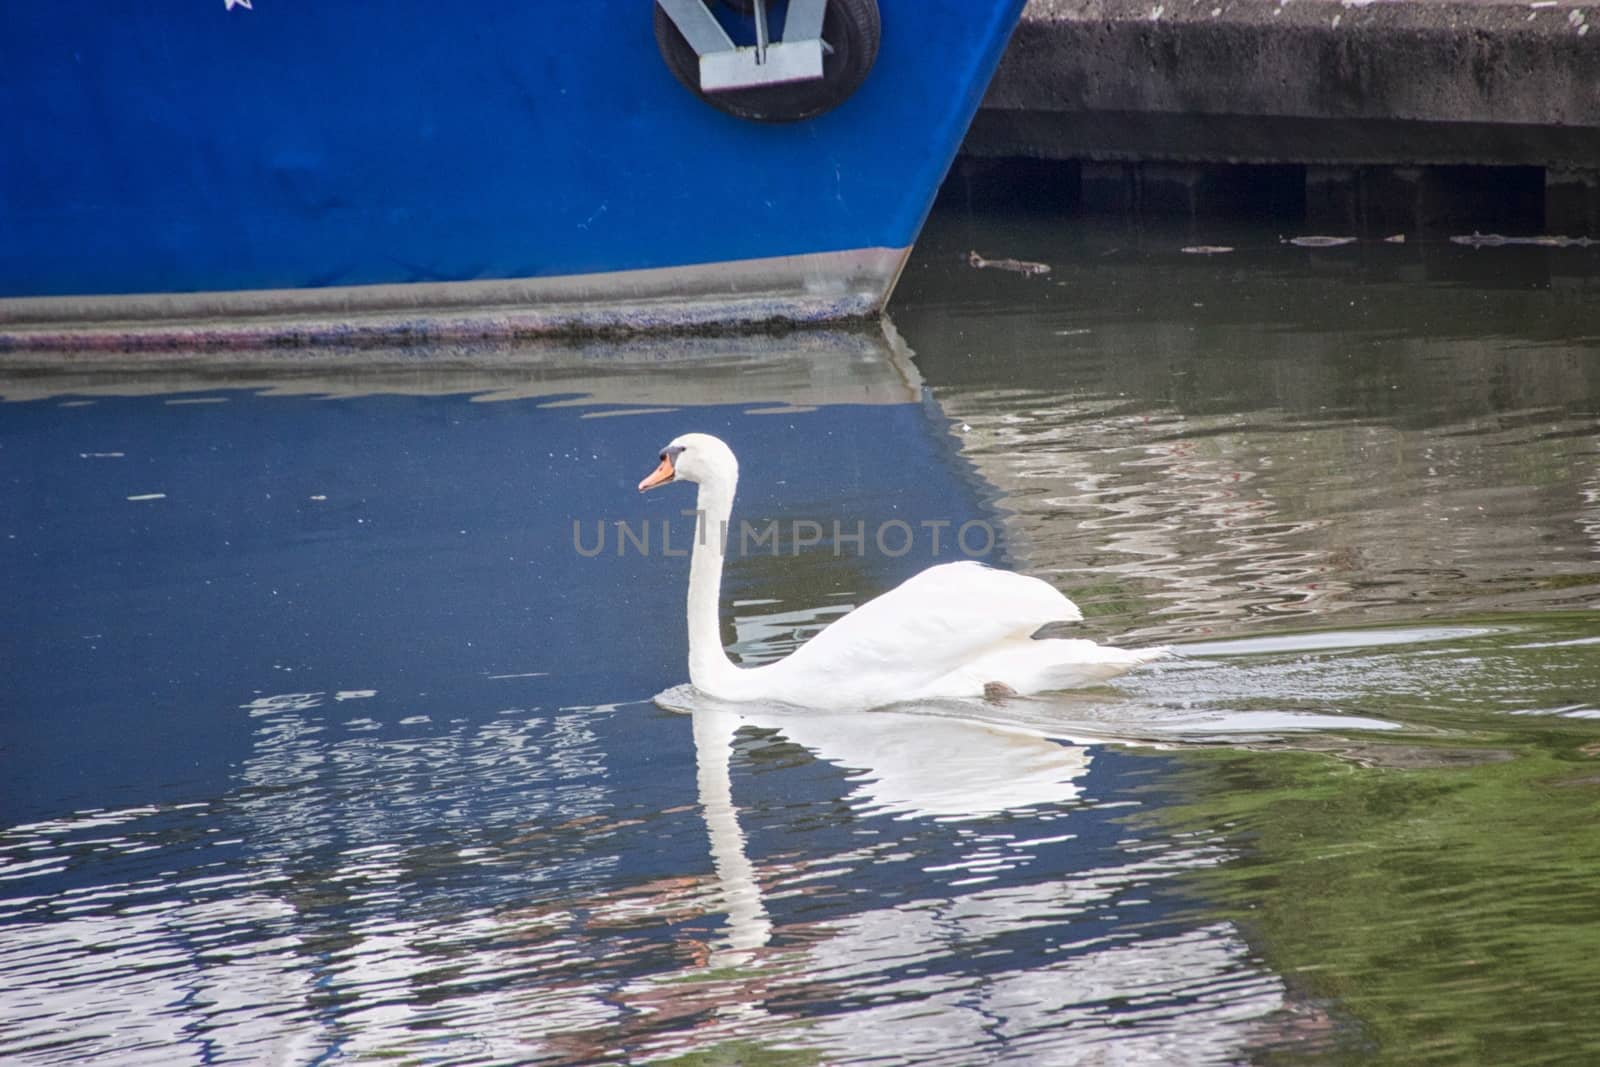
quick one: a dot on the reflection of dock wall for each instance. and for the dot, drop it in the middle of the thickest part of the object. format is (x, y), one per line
(1385, 108)
(1185, 444)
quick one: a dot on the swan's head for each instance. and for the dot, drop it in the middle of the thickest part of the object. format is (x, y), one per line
(694, 457)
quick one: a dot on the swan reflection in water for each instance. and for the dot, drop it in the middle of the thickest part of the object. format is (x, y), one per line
(906, 766)
(1195, 988)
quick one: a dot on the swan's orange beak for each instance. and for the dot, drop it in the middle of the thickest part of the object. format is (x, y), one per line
(660, 476)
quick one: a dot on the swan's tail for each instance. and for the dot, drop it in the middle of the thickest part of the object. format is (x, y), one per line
(1046, 666)
(1070, 663)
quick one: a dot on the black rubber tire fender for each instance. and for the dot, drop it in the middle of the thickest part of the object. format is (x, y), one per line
(852, 30)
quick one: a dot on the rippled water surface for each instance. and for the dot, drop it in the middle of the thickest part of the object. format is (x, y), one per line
(329, 737)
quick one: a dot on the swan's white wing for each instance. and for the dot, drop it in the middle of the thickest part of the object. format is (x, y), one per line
(898, 644)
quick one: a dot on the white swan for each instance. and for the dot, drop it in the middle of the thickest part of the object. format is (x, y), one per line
(955, 630)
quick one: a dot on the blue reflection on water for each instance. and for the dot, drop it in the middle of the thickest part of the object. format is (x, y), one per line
(322, 739)
(413, 545)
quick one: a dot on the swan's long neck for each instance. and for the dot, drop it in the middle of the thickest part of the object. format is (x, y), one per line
(709, 667)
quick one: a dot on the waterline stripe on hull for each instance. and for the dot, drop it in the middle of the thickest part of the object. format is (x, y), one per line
(613, 375)
(815, 287)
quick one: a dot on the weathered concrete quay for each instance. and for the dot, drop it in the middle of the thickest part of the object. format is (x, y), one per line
(1380, 108)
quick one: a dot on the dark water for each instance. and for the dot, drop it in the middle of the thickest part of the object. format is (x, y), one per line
(324, 740)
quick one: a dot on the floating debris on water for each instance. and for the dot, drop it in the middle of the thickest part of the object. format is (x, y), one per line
(1207, 250)
(1017, 266)
(1317, 241)
(1495, 240)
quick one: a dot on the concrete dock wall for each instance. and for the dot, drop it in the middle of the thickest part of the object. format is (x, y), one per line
(1365, 95)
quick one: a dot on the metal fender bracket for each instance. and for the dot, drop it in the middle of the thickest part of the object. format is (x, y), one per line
(725, 65)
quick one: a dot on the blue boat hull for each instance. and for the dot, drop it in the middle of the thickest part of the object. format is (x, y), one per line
(189, 169)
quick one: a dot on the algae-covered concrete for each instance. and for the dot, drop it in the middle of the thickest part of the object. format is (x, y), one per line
(1343, 82)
